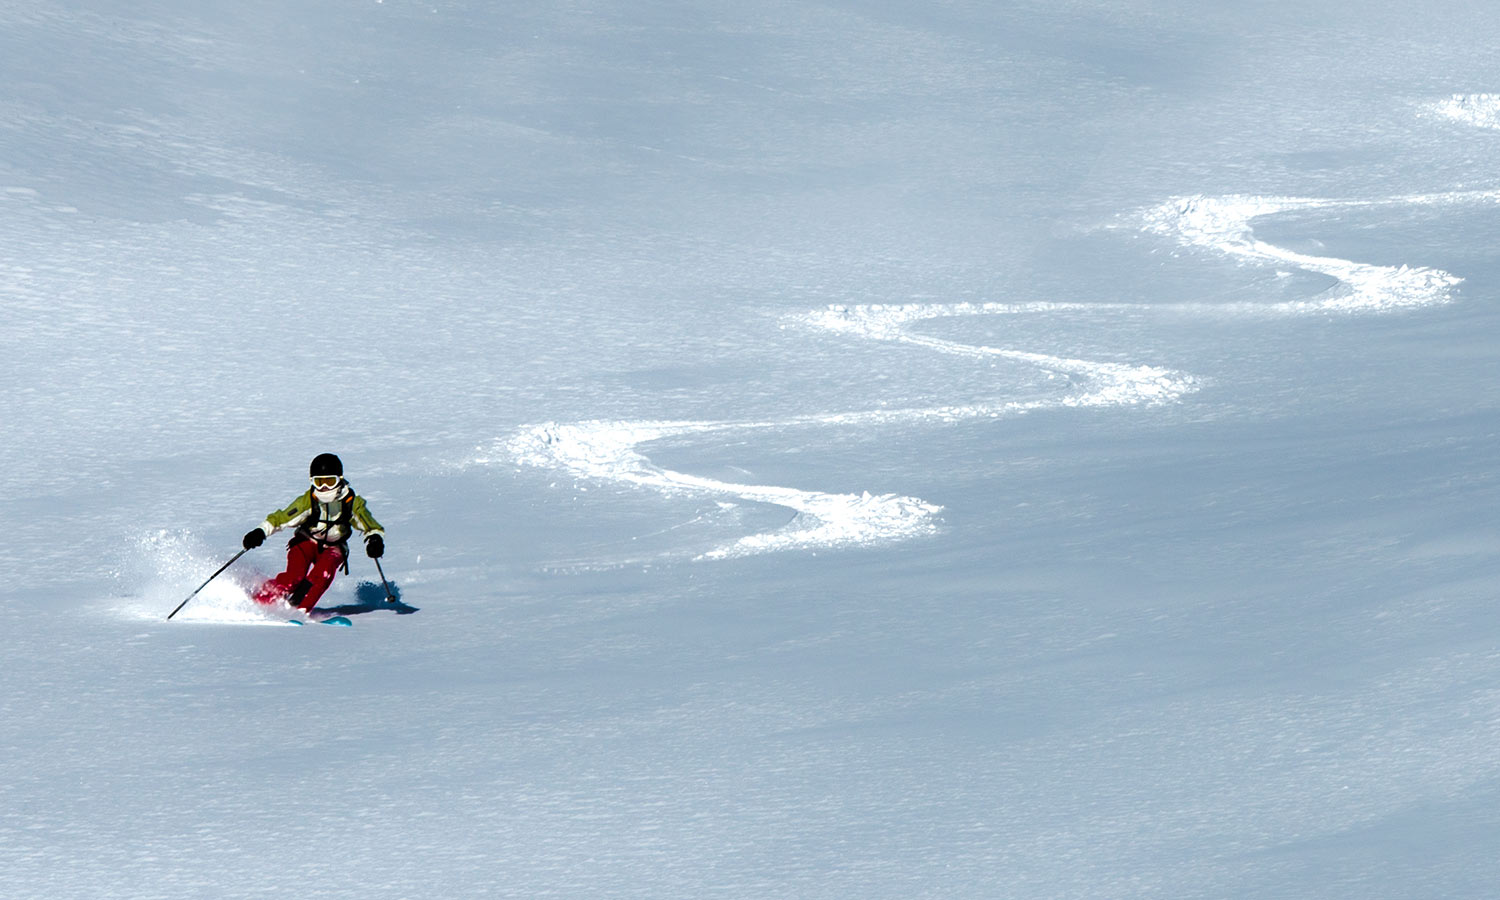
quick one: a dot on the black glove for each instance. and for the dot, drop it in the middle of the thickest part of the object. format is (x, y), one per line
(374, 546)
(254, 539)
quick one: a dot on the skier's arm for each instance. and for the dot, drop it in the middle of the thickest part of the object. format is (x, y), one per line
(360, 518)
(292, 515)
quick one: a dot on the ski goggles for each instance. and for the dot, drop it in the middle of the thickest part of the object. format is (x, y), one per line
(324, 482)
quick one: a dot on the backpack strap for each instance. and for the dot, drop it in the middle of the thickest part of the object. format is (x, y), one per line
(346, 516)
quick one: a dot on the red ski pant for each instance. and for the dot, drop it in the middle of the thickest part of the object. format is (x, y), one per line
(305, 559)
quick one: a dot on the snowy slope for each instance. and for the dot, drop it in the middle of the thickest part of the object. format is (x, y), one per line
(850, 449)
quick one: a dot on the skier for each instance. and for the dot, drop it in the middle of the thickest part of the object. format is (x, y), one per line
(324, 518)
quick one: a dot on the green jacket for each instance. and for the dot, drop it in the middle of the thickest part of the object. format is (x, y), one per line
(329, 523)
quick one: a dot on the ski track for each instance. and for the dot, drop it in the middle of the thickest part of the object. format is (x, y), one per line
(1479, 110)
(610, 451)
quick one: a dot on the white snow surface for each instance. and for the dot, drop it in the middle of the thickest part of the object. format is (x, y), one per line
(842, 450)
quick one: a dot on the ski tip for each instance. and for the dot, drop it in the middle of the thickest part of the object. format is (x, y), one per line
(293, 622)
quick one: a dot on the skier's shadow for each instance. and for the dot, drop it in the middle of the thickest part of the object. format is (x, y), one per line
(370, 597)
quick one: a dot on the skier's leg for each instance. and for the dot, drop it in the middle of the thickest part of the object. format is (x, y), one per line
(300, 556)
(320, 576)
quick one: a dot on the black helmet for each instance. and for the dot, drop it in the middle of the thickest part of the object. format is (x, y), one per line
(325, 464)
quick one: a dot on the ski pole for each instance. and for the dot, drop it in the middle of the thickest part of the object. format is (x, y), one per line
(205, 584)
(383, 582)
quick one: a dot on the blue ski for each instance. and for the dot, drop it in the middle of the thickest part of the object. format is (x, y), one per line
(335, 620)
